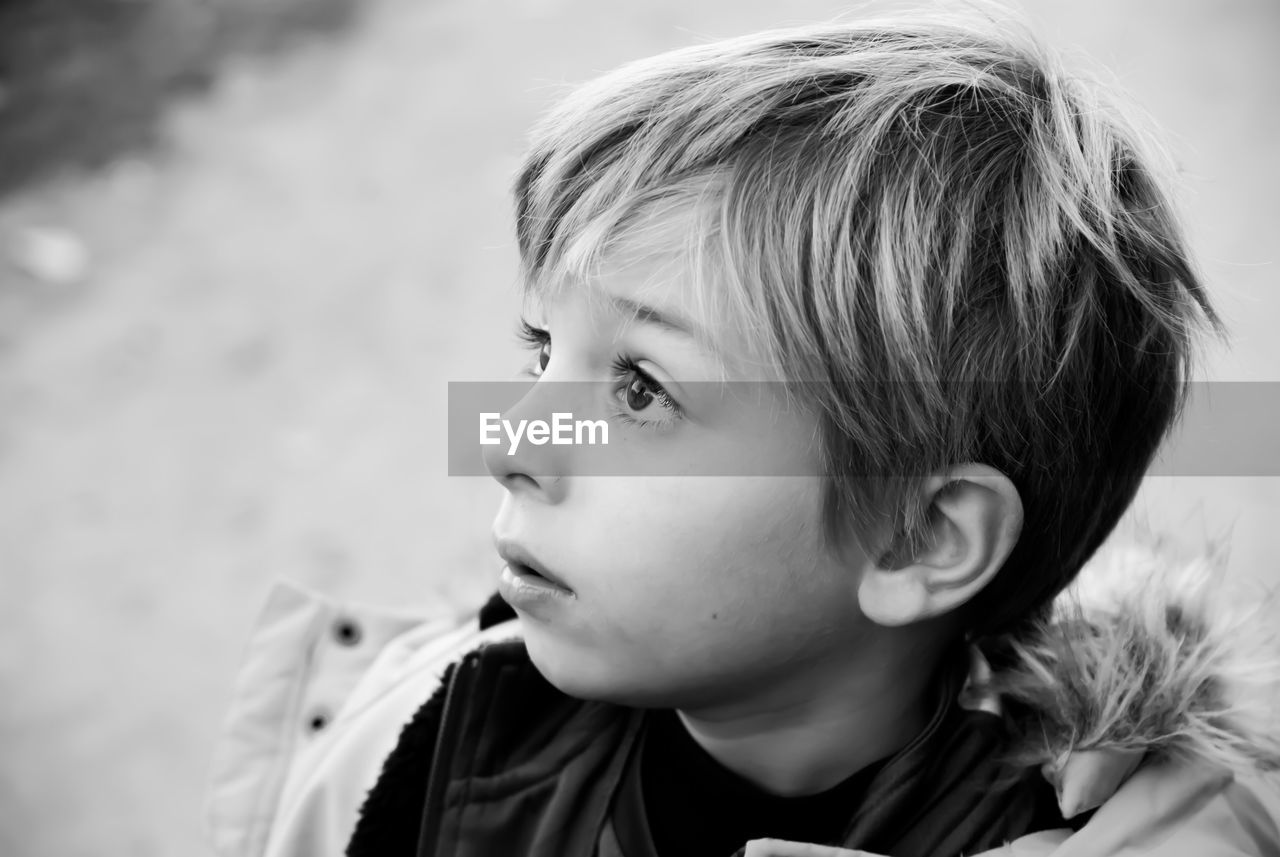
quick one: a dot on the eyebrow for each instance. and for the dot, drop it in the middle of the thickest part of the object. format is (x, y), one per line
(662, 318)
(674, 322)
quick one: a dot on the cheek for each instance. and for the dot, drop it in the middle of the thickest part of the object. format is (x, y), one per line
(704, 557)
(691, 590)
(712, 586)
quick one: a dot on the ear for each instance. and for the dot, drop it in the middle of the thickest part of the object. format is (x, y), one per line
(974, 519)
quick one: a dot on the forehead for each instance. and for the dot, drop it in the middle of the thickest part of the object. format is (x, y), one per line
(662, 293)
(662, 266)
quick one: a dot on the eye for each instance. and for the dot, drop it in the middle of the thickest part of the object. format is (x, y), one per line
(536, 339)
(638, 392)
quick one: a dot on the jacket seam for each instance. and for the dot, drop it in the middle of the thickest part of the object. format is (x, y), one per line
(287, 737)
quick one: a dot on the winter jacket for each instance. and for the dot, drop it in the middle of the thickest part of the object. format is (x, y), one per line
(1143, 701)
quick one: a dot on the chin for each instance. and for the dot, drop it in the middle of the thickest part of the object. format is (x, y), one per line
(580, 672)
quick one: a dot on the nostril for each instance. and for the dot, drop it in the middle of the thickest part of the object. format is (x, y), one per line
(517, 480)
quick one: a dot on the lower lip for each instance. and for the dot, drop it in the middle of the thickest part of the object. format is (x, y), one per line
(526, 591)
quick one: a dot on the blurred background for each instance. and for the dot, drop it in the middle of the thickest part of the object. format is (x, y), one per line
(244, 245)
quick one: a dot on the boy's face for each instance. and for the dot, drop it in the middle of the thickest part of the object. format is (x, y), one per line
(682, 591)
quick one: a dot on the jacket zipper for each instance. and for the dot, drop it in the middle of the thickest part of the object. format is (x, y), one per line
(430, 828)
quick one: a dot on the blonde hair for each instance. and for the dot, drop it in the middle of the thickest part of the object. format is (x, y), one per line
(970, 250)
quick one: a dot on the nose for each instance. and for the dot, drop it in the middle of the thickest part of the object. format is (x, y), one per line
(523, 465)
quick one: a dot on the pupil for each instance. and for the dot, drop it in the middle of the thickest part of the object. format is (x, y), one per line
(638, 395)
(544, 357)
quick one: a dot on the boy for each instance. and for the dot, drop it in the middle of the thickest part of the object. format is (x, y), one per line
(962, 286)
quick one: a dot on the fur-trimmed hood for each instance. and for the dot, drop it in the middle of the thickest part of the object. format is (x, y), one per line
(1146, 656)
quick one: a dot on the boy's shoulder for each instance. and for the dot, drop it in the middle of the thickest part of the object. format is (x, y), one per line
(1164, 810)
(323, 691)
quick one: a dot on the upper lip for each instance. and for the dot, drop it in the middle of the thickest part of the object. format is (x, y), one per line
(511, 552)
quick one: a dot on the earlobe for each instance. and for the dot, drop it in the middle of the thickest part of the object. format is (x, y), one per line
(892, 596)
(974, 520)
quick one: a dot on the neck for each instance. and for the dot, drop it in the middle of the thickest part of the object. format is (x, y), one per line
(821, 725)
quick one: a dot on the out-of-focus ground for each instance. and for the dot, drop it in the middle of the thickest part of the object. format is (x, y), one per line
(82, 83)
(229, 309)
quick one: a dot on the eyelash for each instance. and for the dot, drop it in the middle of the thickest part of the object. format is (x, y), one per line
(533, 338)
(623, 367)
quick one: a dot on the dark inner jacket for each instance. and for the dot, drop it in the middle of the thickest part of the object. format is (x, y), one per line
(500, 762)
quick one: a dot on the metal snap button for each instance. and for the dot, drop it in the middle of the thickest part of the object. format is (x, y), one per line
(347, 632)
(318, 720)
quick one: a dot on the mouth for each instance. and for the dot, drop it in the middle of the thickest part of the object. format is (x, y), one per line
(528, 570)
